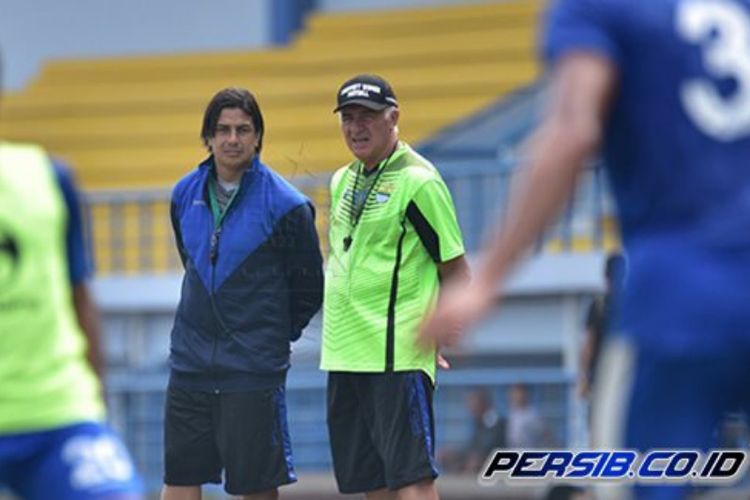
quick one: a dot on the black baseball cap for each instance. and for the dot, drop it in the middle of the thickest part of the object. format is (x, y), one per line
(370, 91)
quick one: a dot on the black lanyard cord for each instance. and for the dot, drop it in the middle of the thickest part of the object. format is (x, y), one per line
(356, 214)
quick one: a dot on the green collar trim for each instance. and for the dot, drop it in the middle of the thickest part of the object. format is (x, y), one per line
(215, 208)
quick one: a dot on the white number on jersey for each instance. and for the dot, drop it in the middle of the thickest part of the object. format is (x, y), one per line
(722, 28)
(96, 461)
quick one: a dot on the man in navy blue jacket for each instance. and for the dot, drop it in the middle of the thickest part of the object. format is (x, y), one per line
(252, 282)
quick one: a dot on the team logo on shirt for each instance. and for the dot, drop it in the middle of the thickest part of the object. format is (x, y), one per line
(358, 197)
(387, 188)
(384, 192)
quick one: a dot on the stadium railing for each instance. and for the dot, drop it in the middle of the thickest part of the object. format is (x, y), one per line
(132, 234)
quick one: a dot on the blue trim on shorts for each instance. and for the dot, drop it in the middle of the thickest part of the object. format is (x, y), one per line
(284, 427)
(424, 415)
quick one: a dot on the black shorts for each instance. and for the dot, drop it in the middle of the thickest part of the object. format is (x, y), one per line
(244, 433)
(381, 428)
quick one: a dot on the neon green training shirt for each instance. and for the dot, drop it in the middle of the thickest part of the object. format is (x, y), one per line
(45, 380)
(382, 274)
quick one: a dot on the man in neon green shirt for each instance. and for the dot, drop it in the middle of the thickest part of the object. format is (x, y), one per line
(393, 238)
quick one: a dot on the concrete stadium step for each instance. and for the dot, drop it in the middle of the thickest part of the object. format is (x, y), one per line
(415, 82)
(444, 17)
(182, 129)
(310, 56)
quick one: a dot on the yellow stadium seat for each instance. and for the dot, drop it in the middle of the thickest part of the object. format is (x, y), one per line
(134, 122)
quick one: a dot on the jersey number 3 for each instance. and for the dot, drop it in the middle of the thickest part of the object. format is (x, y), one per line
(722, 28)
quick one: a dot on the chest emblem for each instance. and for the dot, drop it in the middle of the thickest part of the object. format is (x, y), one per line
(382, 197)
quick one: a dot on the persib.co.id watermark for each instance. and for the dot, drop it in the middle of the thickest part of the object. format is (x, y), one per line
(664, 465)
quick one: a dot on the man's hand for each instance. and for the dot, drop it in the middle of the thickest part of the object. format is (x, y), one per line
(583, 87)
(442, 362)
(459, 307)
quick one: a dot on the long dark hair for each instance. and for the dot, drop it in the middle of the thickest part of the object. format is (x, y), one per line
(232, 97)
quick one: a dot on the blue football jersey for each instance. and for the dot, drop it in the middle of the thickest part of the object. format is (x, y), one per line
(677, 150)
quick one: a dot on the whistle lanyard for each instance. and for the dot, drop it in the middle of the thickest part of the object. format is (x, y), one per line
(355, 214)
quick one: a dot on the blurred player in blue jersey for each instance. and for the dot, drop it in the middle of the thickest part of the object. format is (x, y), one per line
(54, 443)
(662, 88)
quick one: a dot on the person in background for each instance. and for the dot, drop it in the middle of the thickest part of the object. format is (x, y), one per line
(488, 432)
(599, 320)
(526, 427)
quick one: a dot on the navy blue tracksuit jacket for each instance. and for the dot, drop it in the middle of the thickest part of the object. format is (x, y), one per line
(251, 285)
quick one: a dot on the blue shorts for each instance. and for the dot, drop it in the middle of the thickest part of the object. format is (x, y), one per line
(85, 461)
(652, 400)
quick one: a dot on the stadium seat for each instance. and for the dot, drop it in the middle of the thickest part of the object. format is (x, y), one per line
(132, 123)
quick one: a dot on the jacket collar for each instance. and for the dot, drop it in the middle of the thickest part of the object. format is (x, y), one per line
(208, 167)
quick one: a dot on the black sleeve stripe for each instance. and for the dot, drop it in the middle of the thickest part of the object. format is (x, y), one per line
(426, 233)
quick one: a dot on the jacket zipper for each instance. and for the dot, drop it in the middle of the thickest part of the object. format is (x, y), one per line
(213, 256)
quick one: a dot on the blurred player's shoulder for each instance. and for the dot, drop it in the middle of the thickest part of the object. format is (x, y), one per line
(612, 15)
(593, 7)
